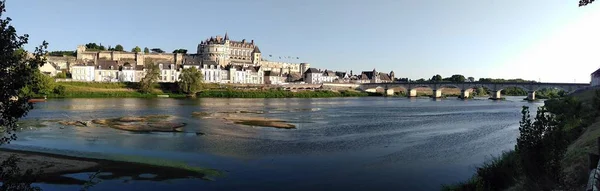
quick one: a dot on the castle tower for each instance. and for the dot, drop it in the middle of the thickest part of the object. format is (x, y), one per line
(256, 56)
(303, 68)
(80, 50)
(392, 75)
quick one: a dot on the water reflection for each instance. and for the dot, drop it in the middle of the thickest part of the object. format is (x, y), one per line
(337, 140)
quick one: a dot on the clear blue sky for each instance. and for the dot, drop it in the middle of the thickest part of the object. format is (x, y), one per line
(551, 40)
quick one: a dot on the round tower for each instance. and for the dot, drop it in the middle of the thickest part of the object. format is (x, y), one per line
(304, 67)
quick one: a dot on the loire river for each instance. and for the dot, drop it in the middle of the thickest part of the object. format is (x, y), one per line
(370, 143)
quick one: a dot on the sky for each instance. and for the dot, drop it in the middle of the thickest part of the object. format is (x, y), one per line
(542, 40)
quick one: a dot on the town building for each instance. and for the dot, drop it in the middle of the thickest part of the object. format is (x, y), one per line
(83, 71)
(595, 78)
(375, 77)
(272, 77)
(106, 71)
(50, 69)
(328, 76)
(313, 76)
(168, 72)
(128, 73)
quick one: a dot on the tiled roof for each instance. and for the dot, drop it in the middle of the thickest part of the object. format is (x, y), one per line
(271, 73)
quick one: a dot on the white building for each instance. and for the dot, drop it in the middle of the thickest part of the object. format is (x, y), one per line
(343, 77)
(127, 73)
(328, 76)
(49, 69)
(168, 72)
(211, 71)
(272, 77)
(83, 71)
(106, 71)
(595, 78)
(313, 76)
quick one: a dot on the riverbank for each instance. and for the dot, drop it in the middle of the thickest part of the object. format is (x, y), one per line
(575, 120)
(129, 90)
(54, 166)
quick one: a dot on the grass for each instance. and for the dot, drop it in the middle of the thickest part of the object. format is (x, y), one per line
(276, 94)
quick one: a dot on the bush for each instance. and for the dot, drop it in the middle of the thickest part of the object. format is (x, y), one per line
(60, 90)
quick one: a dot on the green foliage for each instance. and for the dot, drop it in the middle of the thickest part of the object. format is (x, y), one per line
(60, 90)
(540, 146)
(436, 78)
(157, 50)
(514, 91)
(455, 78)
(549, 93)
(15, 178)
(190, 81)
(585, 2)
(480, 91)
(152, 74)
(146, 50)
(61, 75)
(471, 79)
(62, 53)
(119, 48)
(499, 173)
(136, 49)
(183, 51)
(94, 47)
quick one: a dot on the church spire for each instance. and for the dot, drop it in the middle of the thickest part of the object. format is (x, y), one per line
(226, 36)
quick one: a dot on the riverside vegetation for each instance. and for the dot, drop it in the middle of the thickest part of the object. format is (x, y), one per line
(551, 151)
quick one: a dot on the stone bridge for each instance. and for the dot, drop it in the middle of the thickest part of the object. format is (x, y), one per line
(467, 87)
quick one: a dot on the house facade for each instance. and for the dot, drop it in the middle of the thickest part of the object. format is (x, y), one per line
(50, 69)
(313, 76)
(168, 72)
(107, 71)
(272, 77)
(83, 71)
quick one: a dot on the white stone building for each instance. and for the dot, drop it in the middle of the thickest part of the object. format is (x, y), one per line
(83, 71)
(50, 69)
(127, 73)
(106, 71)
(168, 72)
(313, 76)
(272, 77)
(328, 76)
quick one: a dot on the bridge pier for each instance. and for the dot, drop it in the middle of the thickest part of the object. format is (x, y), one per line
(530, 95)
(437, 93)
(464, 94)
(388, 92)
(412, 93)
(496, 94)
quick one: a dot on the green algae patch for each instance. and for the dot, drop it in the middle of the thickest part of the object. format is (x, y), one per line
(35, 123)
(168, 163)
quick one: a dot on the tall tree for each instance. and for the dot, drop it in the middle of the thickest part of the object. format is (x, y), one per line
(457, 78)
(190, 81)
(16, 72)
(471, 79)
(136, 49)
(146, 50)
(152, 74)
(436, 78)
(182, 51)
(119, 48)
(157, 50)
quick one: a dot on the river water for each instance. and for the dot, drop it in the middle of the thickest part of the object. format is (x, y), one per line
(370, 143)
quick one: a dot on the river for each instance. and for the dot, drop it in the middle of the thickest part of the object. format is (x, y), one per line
(369, 143)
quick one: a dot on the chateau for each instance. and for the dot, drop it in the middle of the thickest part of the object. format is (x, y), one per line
(225, 52)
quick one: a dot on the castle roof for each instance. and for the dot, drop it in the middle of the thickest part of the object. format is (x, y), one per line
(209, 62)
(226, 36)
(256, 50)
(596, 73)
(328, 73)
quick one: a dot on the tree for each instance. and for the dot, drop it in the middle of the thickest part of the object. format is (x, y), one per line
(182, 51)
(436, 78)
(119, 48)
(190, 81)
(541, 146)
(61, 75)
(152, 74)
(146, 50)
(457, 78)
(471, 79)
(17, 71)
(157, 50)
(136, 49)
(585, 2)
